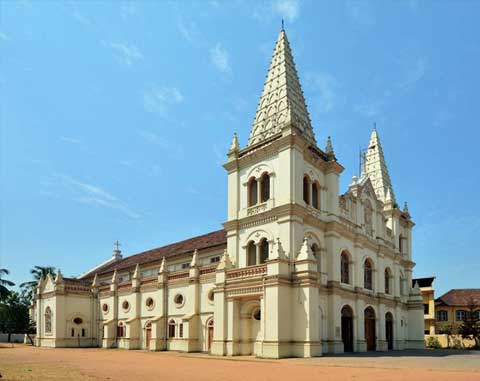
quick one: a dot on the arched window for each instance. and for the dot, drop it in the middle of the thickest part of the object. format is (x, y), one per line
(265, 187)
(263, 250)
(387, 280)
(368, 275)
(345, 268)
(171, 328)
(315, 201)
(316, 254)
(251, 254)
(48, 320)
(252, 191)
(121, 329)
(306, 190)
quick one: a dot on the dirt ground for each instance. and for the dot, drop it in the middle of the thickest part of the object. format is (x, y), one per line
(22, 362)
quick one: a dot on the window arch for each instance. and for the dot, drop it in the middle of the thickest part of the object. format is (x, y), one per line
(345, 268)
(263, 250)
(252, 191)
(251, 254)
(368, 274)
(306, 190)
(265, 187)
(388, 279)
(316, 254)
(121, 329)
(171, 328)
(48, 320)
(315, 195)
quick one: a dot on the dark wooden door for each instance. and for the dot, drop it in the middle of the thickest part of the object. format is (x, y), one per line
(210, 337)
(370, 335)
(148, 336)
(347, 333)
(389, 333)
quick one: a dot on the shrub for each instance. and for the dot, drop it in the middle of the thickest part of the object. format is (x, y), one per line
(432, 342)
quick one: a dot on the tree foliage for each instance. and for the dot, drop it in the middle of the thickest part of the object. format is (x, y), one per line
(470, 328)
(28, 288)
(14, 316)
(4, 284)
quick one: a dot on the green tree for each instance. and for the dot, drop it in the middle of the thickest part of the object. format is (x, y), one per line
(28, 288)
(4, 284)
(14, 317)
(470, 329)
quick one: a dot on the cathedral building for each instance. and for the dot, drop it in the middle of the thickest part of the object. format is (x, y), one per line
(298, 269)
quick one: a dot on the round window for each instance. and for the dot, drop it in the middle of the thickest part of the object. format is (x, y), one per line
(78, 320)
(257, 315)
(105, 308)
(179, 300)
(149, 303)
(211, 295)
(125, 305)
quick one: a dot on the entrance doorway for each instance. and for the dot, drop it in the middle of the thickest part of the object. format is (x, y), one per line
(209, 334)
(370, 334)
(347, 329)
(148, 334)
(389, 330)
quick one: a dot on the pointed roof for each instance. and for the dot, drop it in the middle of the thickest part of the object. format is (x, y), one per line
(282, 102)
(376, 169)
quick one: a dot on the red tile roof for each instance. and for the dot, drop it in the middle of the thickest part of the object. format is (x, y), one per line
(206, 241)
(460, 297)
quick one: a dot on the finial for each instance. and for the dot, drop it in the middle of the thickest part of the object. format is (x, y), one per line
(116, 245)
(329, 147)
(306, 250)
(162, 266)
(117, 254)
(225, 262)
(95, 282)
(136, 272)
(374, 126)
(388, 196)
(234, 147)
(283, 25)
(405, 208)
(193, 263)
(114, 276)
(59, 276)
(354, 180)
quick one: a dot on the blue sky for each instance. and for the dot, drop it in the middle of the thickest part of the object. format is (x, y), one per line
(116, 117)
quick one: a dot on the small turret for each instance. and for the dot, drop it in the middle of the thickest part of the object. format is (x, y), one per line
(329, 149)
(59, 277)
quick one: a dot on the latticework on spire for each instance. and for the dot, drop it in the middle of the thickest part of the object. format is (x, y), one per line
(282, 102)
(376, 169)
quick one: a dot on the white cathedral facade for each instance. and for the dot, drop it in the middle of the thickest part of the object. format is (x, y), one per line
(298, 270)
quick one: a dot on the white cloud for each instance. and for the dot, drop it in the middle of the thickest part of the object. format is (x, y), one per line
(288, 9)
(94, 195)
(188, 31)
(70, 140)
(158, 99)
(361, 12)
(128, 9)
(220, 59)
(125, 53)
(414, 72)
(171, 148)
(326, 86)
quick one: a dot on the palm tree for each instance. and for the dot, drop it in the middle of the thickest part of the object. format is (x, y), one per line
(4, 283)
(37, 273)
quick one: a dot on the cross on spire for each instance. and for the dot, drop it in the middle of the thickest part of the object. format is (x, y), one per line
(117, 245)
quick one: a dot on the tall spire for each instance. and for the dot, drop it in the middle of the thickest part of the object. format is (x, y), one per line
(282, 102)
(376, 169)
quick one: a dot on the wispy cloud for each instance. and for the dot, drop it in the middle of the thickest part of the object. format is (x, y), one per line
(70, 140)
(287, 9)
(3, 36)
(124, 53)
(171, 148)
(128, 9)
(158, 99)
(94, 195)
(326, 87)
(369, 108)
(415, 70)
(73, 10)
(361, 13)
(220, 58)
(188, 30)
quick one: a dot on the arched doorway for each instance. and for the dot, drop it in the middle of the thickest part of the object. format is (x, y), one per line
(370, 334)
(347, 329)
(148, 334)
(389, 330)
(209, 334)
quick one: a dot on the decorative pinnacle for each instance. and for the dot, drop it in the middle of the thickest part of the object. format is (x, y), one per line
(225, 262)
(59, 276)
(95, 282)
(405, 208)
(114, 276)
(234, 147)
(136, 272)
(162, 266)
(193, 263)
(329, 148)
(283, 24)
